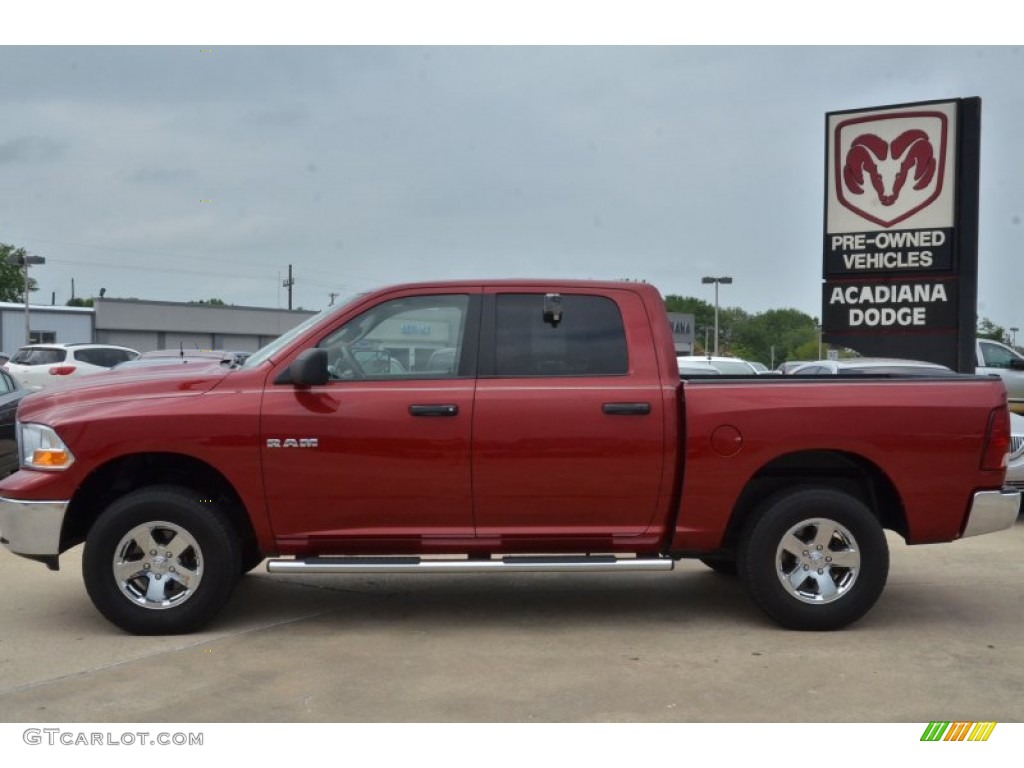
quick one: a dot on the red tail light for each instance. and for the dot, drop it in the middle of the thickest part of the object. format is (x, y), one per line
(997, 440)
(62, 370)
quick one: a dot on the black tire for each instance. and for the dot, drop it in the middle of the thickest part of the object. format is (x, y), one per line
(723, 564)
(161, 561)
(814, 559)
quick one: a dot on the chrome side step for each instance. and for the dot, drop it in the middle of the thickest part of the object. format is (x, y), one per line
(554, 564)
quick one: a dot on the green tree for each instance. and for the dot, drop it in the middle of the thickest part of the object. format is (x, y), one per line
(752, 337)
(210, 302)
(809, 350)
(989, 330)
(729, 321)
(12, 278)
(733, 323)
(78, 301)
(703, 312)
(775, 335)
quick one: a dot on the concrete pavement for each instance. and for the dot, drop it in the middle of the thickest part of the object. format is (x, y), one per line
(945, 642)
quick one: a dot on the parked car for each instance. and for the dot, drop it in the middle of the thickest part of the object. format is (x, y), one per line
(873, 365)
(1015, 464)
(1007, 364)
(759, 367)
(697, 368)
(727, 366)
(161, 357)
(11, 394)
(44, 364)
(789, 365)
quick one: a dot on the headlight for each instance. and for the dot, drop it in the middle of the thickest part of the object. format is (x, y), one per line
(41, 448)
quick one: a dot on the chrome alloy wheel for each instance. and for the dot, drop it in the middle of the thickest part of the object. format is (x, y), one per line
(818, 561)
(158, 565)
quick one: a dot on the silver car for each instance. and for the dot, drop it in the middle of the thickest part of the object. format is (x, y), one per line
(1015, 465)
(726, 366)
(869, 365)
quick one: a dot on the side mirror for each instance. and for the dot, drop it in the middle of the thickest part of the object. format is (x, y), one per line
(1016, 364)
(308, 370)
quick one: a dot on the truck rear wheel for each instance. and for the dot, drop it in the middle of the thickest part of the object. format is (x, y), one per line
(814, 559)
(160, 560)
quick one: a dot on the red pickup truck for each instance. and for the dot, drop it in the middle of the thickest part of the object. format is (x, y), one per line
(496, 426)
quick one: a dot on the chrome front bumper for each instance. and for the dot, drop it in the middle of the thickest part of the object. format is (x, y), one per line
(992, 511)
(32, 528)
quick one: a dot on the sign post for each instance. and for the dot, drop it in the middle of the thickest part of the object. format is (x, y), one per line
(901, 231)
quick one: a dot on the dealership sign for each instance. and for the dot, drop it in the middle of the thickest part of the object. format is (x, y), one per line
(900, 237)
(682, 331)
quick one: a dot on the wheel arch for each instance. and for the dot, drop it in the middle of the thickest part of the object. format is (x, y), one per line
(125, 474)
(843, 471)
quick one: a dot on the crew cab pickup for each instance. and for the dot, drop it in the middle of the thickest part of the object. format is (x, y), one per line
(468, 427)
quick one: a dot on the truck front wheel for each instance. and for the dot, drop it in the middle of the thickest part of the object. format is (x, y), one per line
(814, 559)
(161, 560)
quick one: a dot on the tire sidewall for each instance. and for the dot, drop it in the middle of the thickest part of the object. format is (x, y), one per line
(758, 555)
(219, 551)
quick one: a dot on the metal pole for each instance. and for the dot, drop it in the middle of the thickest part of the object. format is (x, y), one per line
(716, 281)
(28, 333)
(716, 318)
(23, 260)
(288, 284)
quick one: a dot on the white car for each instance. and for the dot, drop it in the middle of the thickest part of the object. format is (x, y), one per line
(689, 368)
(1015, 465)
(1007, 364)
(726, 366)
(869, 365)
(43, 364)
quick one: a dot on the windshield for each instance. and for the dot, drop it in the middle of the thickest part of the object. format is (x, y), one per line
(267, 352)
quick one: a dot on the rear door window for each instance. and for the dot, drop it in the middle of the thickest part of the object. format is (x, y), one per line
(588, 340)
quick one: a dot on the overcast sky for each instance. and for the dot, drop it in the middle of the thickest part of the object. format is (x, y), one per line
(183, 173)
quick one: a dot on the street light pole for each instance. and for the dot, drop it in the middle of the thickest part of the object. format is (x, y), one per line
(23, 260)
(717, 281)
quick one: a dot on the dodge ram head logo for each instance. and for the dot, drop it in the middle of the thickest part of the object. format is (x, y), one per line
(888, 167)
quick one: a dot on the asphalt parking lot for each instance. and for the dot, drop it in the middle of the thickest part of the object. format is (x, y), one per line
(945, 642)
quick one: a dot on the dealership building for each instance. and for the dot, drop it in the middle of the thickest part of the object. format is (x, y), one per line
(147, 325)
